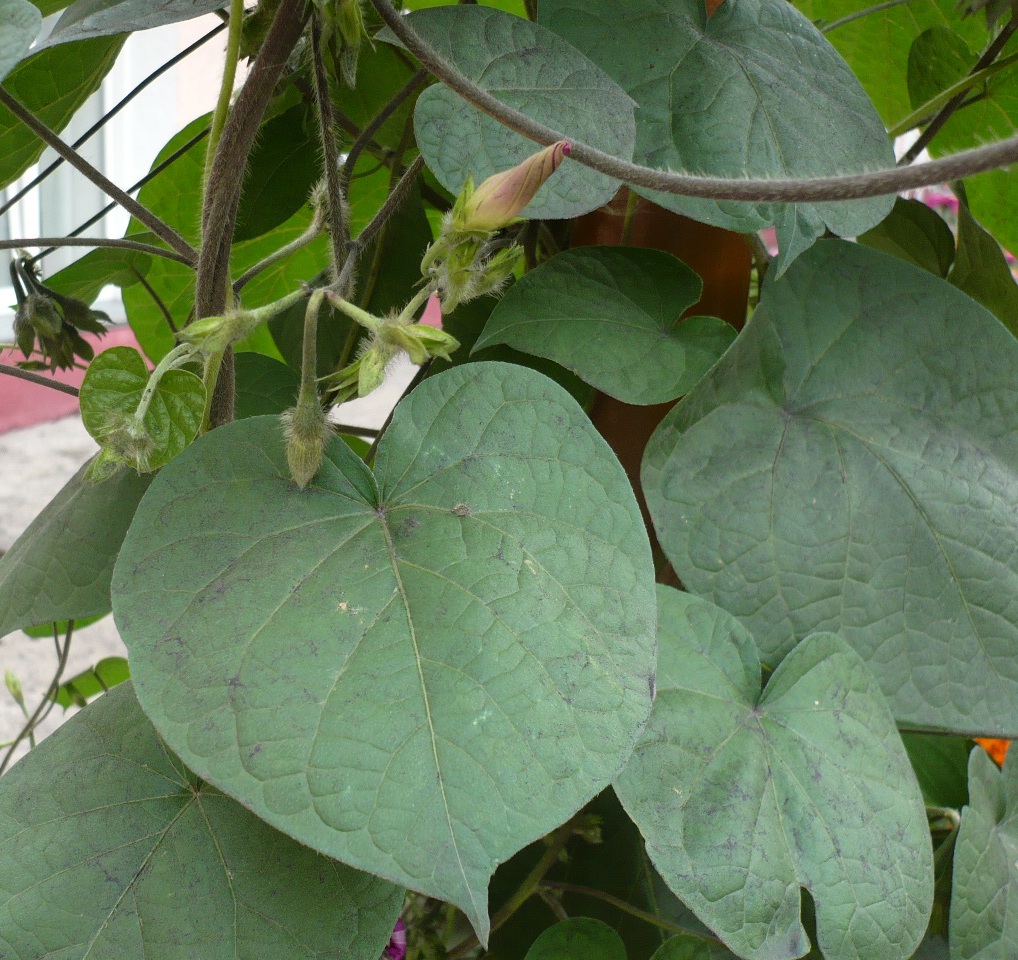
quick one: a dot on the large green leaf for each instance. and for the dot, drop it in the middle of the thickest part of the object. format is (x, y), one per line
(755, 90)
(531, 69)
(60, 567)
(745, 797)
(112, 848)
(53, 85)
(20, 22)
(611, 315)
(417, 672)
(877, 45)
(692, 948)
(102, 18)
(984, 918)
(851, 465)
(86, 277)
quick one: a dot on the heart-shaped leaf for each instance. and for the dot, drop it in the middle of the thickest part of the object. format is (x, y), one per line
(755, 90)
(851, 464)
(611, 315)
(917, 234)
(61, 566)
(984, 922)
(112, 848)
(533, 70)
(112, 393)
(417, 672)
(745, 797)
(578, 937)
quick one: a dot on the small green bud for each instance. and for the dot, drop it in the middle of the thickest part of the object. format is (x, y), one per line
(42, 313)
(371, 372)
(14, 688)
(422, 342)
(306, 431)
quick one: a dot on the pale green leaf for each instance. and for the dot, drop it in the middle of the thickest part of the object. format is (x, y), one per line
(755, 90)
(60, 567)
(112, 391)
(531, 69)
(851, 465)
(746, 797)
(984, 913)
(112, 848)
(419, 671)
(611, 315)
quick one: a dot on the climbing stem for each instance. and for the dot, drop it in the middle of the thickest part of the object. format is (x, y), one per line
(226, 87)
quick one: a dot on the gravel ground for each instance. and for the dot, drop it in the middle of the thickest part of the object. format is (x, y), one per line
(34, 464)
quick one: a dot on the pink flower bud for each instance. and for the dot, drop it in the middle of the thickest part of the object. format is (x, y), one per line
(501, 198)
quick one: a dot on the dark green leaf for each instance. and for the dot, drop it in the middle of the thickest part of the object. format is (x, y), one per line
(914, 233)
(844, 468)
(84, 19)
(467, 661)
(53, 85)
(111, 393)
(112, 848)
(941, 767)
(88, 684)
(692, 948)
(284, 166)
(531, 69)
(877, 45)
(60, 567)
(611, 315)
(21, 22)
(981, 270)
(983, 921)
(755, 90)
(578, 937)
(744, 796)
(938, 57)
(264, 386)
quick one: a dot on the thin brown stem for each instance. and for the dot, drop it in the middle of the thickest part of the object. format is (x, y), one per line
(364, 138)
(123, 244)
(785, 190)
(38, 378)
(160, 228)
(946, 112)
(339, 221)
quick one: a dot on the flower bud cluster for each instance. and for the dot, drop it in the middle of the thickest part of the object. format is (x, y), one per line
(390, 336)
(468, 259)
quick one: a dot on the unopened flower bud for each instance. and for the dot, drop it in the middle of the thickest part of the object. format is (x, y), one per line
(306, 431)
(213, 335)
(421, 342)
(14, 687)
(500, 199)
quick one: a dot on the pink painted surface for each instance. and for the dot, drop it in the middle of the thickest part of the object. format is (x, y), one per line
(23, 404)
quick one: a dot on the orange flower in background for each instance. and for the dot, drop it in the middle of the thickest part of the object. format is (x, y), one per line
(995, 748)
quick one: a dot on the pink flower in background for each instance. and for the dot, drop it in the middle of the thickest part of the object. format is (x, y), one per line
(432, 316)
(397, 943)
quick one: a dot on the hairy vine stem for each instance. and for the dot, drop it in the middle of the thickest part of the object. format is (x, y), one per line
(225, 178)
(783, 190)
(160, 228)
